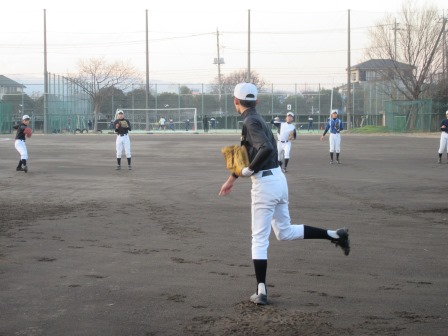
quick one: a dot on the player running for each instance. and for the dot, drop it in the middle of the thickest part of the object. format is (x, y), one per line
(269, 191)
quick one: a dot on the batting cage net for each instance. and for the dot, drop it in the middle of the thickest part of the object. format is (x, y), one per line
(162, 119)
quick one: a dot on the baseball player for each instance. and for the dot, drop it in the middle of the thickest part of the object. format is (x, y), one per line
(122, 127)
(443, 138)
(19, 143)
(269, 192)
(335, 127)
(286, 131)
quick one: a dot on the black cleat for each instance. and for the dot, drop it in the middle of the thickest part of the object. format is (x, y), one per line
(118, 167)
(19, 169)
(25, 169)
(343, 242)
(130, 167)
(331, 161)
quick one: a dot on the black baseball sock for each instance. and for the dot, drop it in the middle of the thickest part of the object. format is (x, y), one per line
(310, 232)
(24, 162)
(286, 162)
(337, 156)
(129, 161)
(440, 155)
(119, 161)
(331, 156)
(20, 164)
(261, 266)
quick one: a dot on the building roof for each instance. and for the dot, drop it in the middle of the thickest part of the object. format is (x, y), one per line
(381, 64)
(5, 81)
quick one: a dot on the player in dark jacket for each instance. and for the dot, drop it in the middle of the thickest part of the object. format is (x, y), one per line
(269, 191)
(20, 143)
(122, 127)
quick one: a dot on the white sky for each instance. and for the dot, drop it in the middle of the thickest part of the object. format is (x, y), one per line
(292, 42)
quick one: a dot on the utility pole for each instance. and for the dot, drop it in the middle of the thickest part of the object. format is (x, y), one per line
(147, 75)
(219, 61)
(45, 73)
(349, 73)
(248, 47)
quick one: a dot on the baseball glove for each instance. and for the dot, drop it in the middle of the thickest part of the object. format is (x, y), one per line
(236, 158)
(28, 132)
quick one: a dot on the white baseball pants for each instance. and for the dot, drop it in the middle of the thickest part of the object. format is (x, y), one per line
(123, 142)
(284, 150)
(21, 148)
(335, 143)
(443, 143)
(270, 208)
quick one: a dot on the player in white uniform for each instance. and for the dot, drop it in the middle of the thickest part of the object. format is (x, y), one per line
(122, 127)
(443, 138)
(335, 126)
(269, 208)
(286, 131)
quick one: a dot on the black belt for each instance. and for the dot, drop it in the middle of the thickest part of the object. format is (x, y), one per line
(284, 141)
(266, 173)
(122, 134)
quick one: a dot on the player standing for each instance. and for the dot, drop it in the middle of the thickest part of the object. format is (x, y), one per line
(286, 131)
(269, 191)
(335, 127)
(19, 144)
(122, 127)
(444, 138)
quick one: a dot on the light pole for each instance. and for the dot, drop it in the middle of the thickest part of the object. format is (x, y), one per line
(218, 61)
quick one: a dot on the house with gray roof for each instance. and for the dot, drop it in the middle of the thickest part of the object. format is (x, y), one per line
(9, 86)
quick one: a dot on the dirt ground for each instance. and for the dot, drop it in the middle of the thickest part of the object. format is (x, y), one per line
(87, 250)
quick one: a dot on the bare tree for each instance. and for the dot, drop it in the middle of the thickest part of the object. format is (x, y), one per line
(416, 40)
(228, 82)
(98, 78)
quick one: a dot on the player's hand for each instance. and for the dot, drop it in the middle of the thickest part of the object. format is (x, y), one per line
(322, 138)
(443, 126)
(246, 172)
(227, 186)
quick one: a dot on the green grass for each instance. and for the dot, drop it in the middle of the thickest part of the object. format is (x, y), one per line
(370, 129)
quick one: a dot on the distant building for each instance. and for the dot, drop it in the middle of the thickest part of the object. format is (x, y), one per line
(379, 70)
(8, 86)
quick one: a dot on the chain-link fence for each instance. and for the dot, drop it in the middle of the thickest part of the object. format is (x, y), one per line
(70, 109)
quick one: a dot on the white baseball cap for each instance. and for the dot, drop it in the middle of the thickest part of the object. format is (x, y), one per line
(290, 114)
(446, 112)
(25, 117)
(245, 91)
(334, 111)
(120, 112)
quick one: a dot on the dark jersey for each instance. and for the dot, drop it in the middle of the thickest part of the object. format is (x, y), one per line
(122, 126)
(444, 122)
(20, 134)
(259, 141)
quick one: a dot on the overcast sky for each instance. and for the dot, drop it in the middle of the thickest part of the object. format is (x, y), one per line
(292, 42)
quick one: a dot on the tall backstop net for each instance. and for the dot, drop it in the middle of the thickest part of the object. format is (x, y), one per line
(152, 119)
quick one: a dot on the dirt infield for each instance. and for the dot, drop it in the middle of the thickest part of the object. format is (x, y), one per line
(87, 250)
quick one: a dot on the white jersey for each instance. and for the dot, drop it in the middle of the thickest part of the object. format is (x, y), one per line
(285, 130)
